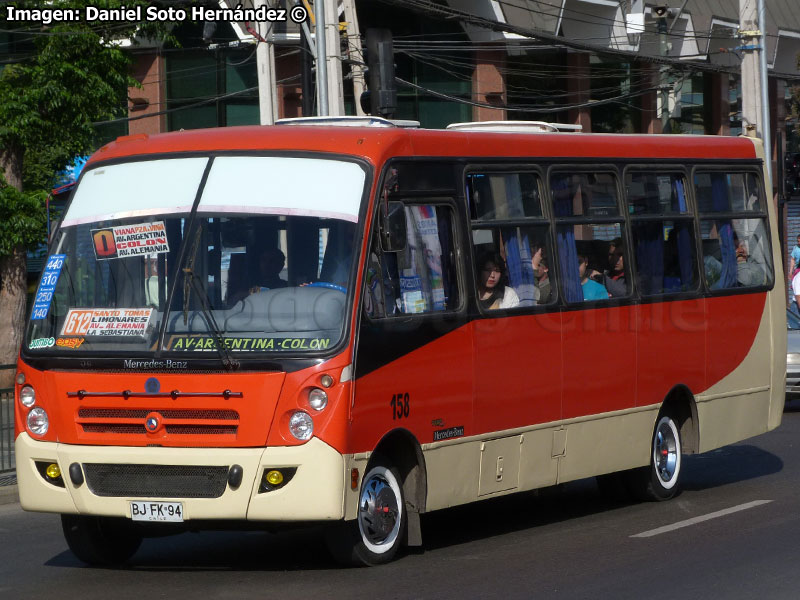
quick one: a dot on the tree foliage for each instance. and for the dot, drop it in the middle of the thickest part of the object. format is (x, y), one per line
(22, 218)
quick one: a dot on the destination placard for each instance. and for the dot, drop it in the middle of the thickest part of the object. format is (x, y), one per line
(130, 240)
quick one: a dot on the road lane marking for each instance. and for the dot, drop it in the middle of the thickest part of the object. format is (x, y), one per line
(701, 518)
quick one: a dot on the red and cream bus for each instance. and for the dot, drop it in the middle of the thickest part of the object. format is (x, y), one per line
(357, 325)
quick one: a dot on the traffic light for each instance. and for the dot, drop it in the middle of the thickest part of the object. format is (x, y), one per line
(380, 73)
(791, 172)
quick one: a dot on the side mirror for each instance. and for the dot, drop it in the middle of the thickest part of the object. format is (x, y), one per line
(393, 227)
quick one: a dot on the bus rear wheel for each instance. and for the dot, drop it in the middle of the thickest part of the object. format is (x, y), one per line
(660, 479)
(100, 540)
(378, 531)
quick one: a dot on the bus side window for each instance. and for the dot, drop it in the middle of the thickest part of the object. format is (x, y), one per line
(589, 236)
(525, 256)
(522, 249)
(421, 278)
(733, 231)
(664, 248)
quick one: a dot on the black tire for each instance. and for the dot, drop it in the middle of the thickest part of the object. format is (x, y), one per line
(379, 530)
(103, 541)
(660, 480)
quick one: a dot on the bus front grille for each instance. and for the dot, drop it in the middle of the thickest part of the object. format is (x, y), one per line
(155, 481)
(175, 422)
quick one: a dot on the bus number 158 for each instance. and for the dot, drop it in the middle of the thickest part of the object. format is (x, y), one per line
(399, 406)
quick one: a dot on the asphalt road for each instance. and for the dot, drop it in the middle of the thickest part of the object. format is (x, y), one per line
(733, 533)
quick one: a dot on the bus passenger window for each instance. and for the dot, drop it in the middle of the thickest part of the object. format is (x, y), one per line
(521, 246)
(733, 229)
(422, 278)
(521, 254)
(664, 247)
(589, 224)
(495, 196)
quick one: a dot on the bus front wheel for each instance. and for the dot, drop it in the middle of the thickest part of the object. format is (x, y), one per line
(660, 479)
(377, 533)
(100, 540)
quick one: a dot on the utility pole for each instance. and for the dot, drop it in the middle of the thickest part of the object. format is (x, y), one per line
(767, 134)
(755, 106)
(333, 57)
(265, 65)
(330, 96)
(322, 63)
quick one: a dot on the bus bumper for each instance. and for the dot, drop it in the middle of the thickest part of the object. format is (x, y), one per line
(314, 493)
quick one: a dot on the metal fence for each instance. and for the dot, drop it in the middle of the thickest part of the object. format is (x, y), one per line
(7, 426)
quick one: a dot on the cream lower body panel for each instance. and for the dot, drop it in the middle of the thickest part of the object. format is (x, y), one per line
(315, 493)
(470, 469)
(725, 418)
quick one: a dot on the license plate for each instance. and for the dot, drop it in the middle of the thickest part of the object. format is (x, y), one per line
(157, 511)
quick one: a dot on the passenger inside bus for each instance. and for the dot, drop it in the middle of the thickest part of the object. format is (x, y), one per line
(748, 271)
(719, 256)
(592, 290)
(493, 293)
(541, 271)
(270, 264)
(614, 279)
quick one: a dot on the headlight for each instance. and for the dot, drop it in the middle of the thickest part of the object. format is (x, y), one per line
(27, 396)
(317, 399)
(38, 421)
(301, 425)
(791, 359)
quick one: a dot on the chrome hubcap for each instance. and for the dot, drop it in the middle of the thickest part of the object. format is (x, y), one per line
(378, 511)
(665, 451)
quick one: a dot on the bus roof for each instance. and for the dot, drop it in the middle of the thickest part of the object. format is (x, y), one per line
(378, 144)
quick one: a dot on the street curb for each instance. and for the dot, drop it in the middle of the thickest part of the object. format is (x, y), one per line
(9, 494)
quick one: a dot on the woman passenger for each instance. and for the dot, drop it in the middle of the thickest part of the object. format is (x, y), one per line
(492, 291)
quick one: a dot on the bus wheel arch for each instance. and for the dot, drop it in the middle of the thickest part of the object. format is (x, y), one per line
(680, 403)
(675, 433)
(402, 450)
(391, 496)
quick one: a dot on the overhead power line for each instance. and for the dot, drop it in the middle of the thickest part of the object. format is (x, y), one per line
(442, 12)
(517, 108)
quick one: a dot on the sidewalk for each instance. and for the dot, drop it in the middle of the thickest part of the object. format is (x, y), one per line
(8, 489)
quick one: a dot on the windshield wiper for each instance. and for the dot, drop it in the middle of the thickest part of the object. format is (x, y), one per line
(191, 281)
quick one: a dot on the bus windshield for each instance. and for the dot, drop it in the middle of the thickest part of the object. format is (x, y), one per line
(263, 264)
